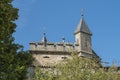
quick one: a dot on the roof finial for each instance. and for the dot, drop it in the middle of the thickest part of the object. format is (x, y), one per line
(44, 29)
(63, 39)
(44, 34)
(82, 12)
(44, 39)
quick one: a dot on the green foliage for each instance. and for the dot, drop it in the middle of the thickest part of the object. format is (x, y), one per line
(13, 60)
(42, 74)
(77, 68)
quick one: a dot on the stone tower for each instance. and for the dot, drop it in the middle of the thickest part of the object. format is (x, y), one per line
(83, 38)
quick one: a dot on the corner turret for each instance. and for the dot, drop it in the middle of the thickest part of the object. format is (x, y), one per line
(83, 38)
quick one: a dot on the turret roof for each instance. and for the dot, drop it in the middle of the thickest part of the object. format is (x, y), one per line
(82, 27)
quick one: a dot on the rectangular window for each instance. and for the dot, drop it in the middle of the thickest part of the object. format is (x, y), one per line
(46, 57)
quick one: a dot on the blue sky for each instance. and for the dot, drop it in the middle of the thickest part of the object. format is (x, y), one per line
(60, 18)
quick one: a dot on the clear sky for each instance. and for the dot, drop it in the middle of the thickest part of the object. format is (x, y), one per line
(60, 18)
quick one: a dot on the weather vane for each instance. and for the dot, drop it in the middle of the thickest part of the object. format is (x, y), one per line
(44, 29)
(82, 12)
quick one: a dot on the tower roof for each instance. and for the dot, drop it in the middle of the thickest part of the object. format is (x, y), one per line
(82, 27)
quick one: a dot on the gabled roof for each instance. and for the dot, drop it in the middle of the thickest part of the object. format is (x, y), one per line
(82, 27)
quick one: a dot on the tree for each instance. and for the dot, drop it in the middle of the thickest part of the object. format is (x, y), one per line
(77, 68)
(42, 74)
(13, 60)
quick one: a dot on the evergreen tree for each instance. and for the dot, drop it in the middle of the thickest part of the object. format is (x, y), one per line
(13, 60)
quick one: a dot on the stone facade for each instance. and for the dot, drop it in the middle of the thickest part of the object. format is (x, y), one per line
(49, 54)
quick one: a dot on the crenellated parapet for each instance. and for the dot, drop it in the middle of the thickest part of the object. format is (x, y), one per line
(32, 46)
(49, 46)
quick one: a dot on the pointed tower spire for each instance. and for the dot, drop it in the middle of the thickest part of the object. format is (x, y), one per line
(44, 39)
(82, 26)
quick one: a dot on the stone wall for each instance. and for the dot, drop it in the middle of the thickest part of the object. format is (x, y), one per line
(54, 47)
(49, 59)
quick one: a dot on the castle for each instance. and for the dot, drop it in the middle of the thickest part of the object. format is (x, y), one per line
(46, 53)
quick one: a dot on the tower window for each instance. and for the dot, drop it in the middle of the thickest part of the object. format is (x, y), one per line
(85, 42)
(77, 41)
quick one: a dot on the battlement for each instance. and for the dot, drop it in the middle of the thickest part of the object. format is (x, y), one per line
(49, 46)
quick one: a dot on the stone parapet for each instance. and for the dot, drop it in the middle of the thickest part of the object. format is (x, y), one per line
(49, 46)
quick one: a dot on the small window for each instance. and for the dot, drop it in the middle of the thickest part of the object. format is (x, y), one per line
(46, 57)
(77, 41)
(64, 57)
